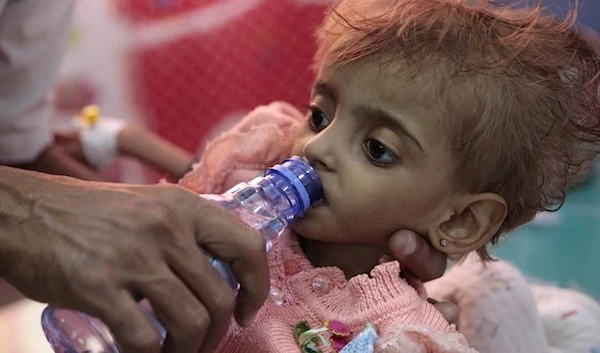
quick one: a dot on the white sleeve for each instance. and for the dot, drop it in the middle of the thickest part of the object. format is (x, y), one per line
(33, 39)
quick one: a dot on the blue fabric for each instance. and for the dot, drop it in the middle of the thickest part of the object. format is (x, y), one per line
(364, 342)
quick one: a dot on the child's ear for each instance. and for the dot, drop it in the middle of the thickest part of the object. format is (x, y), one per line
(471, 224)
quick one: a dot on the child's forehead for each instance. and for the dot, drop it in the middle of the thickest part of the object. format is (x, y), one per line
(380, 78)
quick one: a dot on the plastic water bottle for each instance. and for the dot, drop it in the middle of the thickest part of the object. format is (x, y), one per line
(269, 204)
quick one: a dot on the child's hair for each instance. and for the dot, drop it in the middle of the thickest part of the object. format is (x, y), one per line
(520, 86)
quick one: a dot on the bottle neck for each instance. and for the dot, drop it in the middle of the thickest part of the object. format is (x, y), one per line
(298, 181)
(288, 190)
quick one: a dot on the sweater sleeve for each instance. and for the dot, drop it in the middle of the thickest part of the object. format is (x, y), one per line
(261, 139)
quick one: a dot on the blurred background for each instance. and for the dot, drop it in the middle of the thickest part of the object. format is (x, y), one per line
(188, 69)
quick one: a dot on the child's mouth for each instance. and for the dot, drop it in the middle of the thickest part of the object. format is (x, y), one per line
(319, 203)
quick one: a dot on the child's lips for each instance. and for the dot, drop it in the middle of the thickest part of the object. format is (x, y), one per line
(321, 202)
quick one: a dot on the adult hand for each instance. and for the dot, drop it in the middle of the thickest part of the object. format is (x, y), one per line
(98, 247)
(423, 261)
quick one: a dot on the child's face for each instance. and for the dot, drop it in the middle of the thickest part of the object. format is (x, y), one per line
(379, 146)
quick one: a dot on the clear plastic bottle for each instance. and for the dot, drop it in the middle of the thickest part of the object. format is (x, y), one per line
(269, 204)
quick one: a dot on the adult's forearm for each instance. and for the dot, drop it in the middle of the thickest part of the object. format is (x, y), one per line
(16, 205)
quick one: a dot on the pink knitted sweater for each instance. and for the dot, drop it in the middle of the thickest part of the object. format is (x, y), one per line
(402, 317)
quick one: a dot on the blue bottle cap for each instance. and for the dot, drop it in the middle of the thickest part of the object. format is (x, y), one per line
(303, 177)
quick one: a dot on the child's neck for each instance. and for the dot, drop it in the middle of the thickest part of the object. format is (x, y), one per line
(352, 259)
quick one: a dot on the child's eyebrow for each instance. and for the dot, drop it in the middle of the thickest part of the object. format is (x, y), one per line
(382, 115)
(323, 88)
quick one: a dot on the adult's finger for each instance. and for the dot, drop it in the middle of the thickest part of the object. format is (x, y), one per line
(229, 239)
(217, 297)
(129, 325)
(449, 310)
(179, 310)
(419, 257)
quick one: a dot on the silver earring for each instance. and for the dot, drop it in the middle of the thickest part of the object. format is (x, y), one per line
(444, 242)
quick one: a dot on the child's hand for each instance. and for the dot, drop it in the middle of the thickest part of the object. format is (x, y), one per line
(90, 138)
(70, 142)
(98, 140)
(423, 261)
(58, 160)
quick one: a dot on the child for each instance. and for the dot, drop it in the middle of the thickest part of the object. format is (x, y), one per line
(457, 119)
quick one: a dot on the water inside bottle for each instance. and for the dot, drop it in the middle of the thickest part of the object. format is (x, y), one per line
(269, 227)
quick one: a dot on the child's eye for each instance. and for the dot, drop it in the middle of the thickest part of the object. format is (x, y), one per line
(378, 153)
(317, 120)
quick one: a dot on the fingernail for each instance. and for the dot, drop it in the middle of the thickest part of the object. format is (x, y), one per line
(406, 244)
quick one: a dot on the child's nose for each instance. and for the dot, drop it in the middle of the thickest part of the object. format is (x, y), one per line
(320, 152)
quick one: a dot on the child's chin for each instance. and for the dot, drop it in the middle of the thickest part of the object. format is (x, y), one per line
(297, 226)
(310, 230)
(317, 212)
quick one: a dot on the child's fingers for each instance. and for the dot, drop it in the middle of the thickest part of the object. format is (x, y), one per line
(70, 142)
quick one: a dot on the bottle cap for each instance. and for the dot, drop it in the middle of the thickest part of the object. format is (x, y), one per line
(303, 177)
